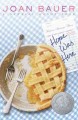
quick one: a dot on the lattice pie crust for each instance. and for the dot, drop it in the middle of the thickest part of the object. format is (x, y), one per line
(48, 76)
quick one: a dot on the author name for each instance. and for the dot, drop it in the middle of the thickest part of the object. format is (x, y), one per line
(39, 8)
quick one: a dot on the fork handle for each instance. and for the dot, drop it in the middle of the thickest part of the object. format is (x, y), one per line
(20, 41)
(8, 104)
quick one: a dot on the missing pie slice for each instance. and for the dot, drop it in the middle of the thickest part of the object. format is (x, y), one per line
(47, 77)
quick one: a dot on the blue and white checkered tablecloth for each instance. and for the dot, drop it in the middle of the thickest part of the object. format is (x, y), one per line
(11, 25)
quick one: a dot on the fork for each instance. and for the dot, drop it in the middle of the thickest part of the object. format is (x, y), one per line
(20, 78)
(10, 70)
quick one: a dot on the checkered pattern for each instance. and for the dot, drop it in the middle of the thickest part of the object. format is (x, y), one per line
(31, 26)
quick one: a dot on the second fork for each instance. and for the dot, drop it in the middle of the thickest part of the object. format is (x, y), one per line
(11, 69)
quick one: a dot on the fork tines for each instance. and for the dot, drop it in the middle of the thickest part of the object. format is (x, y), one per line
(9, 75)
(22, 73)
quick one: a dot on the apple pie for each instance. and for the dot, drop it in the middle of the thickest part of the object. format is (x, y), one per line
(47, 77)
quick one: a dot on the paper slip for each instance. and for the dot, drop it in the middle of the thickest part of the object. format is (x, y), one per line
(62, 34)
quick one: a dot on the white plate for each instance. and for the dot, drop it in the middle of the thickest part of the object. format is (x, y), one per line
(20, 100)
